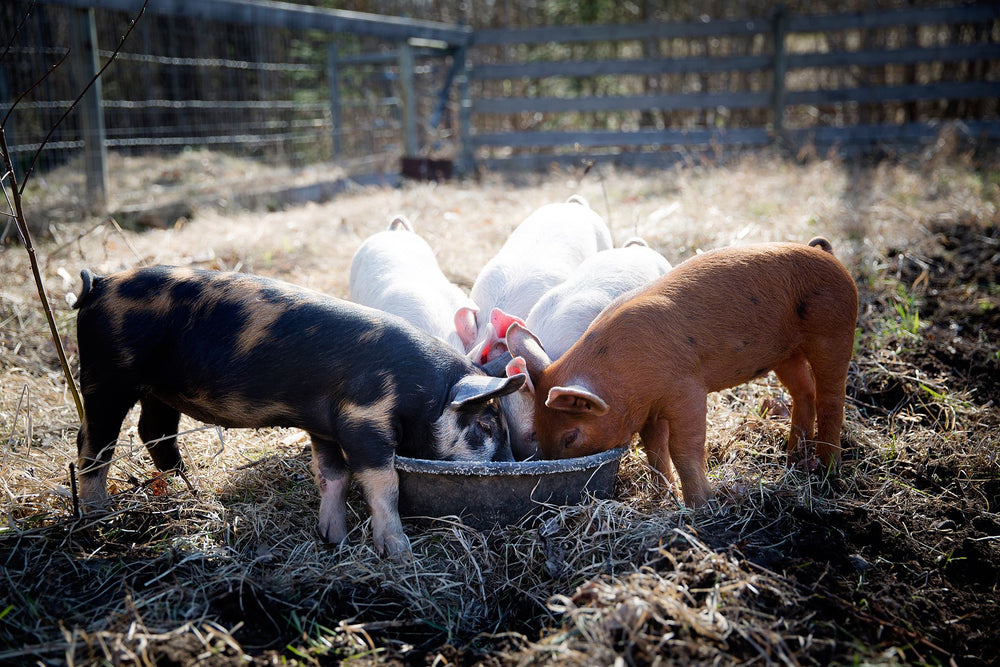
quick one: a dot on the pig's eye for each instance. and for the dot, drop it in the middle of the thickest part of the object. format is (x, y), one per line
(569, 439)
(486, 425)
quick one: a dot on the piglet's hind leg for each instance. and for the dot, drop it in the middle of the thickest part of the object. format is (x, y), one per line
(158, 431)
(831, 371)
(797, 377)
(96, 440)
(332, 478)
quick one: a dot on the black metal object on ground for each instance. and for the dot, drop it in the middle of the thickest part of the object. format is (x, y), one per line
(427, 169)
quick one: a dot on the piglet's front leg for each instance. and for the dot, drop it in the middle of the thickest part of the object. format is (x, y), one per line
(380, 486)
(655, 436)
(381, 489)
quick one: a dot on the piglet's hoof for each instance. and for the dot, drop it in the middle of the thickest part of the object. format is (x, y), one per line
(812, 465)
(809, 464)
(93, 505)
(332, 530)
(731, 494)
(331, 534)
(395, 546)
(93, 494)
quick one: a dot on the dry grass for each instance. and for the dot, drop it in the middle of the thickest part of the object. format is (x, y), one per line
(893, 562)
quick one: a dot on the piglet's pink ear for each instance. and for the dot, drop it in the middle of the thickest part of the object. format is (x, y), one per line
(522, 343)
(517, 366)
(501, 321)
(486, 348)
(576, 399)
(465, 325)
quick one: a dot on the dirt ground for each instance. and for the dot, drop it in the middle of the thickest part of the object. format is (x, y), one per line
(895, 561)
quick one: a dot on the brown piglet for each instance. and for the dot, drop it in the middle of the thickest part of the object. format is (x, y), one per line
(648, 362)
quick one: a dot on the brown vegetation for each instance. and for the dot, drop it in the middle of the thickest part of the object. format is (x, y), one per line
(896, 561)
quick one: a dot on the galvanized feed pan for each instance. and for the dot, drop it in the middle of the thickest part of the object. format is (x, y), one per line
(484, 494)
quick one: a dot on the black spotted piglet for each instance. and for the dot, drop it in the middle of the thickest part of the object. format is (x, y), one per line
(245, 351)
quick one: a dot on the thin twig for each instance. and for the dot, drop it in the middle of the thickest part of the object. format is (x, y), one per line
(80, 236)
(22, 228)
(111, 59)
(128, 244)
(76, 493)
(30, 88)
(21, 221)
(17, 30)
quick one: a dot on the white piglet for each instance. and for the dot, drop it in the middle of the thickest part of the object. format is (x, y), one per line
(396, 271)
(540, 253)
(563, 314)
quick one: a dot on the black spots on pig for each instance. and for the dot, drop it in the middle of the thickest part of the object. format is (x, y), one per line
(468, 434)
(801, 309)
(185, 287)
(242, 311)
(131, 306)
(155, 293)
(483, 429)
(135, 286)
(602, 351)
(374, 417)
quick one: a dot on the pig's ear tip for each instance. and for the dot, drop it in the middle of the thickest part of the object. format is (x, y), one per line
(400, 221)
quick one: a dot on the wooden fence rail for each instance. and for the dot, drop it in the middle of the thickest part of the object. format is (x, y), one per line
(538, 147)
(632, 93)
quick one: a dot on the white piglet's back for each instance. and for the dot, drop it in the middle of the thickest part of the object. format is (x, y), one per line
(540, 253)
(564, 313)
(396, 271)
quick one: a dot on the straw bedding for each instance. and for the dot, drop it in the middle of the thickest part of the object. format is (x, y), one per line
(894, 561)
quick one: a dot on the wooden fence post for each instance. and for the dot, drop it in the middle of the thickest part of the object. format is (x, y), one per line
(780, 30)
(83, 56)
(333, 78)
(410, 144)
(466, 157)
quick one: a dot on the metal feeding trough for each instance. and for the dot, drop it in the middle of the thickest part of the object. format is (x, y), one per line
(485, 494)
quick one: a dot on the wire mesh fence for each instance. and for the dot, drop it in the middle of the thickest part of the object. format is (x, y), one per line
(177, 83)
(266, 93)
